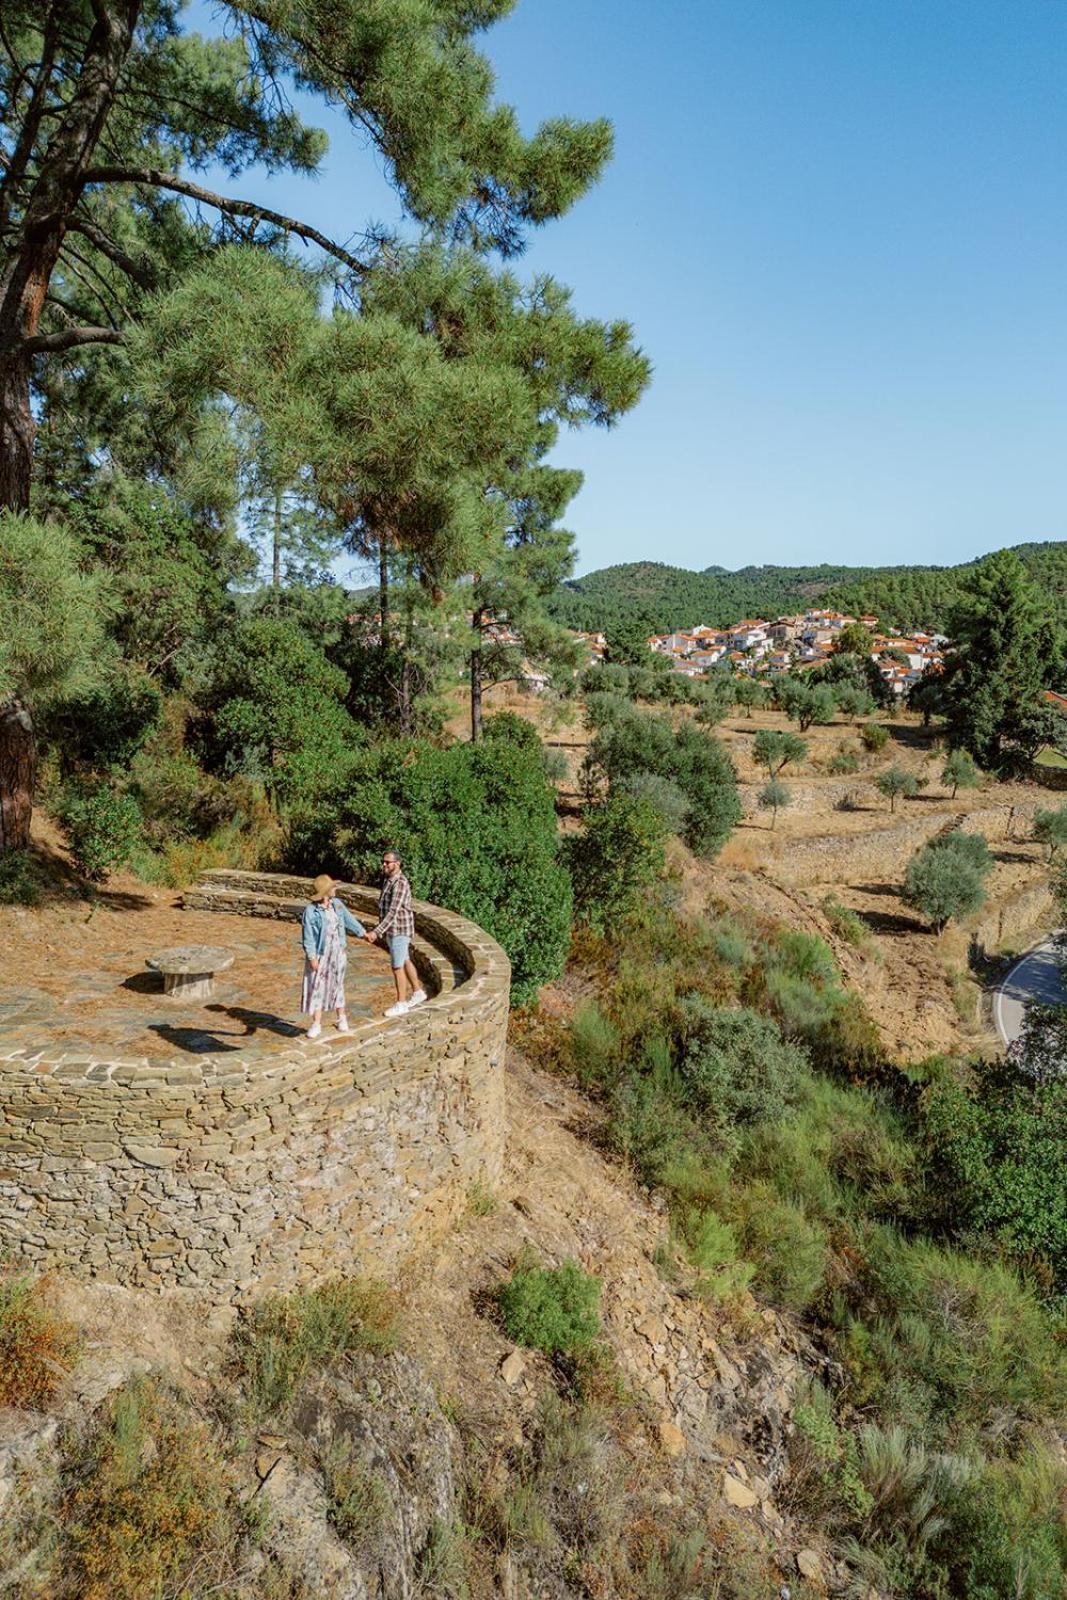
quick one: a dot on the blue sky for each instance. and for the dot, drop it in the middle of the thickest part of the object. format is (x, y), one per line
(839, 228)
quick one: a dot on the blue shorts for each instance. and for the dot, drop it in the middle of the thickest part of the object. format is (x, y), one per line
(399, 949)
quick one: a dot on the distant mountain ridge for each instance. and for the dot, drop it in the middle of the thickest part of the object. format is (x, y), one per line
(666, 597)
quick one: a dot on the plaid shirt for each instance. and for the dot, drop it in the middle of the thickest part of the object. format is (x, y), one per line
(394, 908)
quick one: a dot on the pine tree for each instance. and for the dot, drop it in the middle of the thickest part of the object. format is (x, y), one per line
(1005, 654)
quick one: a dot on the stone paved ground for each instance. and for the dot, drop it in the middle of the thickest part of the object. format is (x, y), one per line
(73, 977)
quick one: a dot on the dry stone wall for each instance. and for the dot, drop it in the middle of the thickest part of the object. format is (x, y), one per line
(235, 1174)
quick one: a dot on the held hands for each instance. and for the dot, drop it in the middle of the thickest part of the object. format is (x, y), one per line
(314, 960)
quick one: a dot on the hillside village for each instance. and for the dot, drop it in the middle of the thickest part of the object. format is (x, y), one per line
(794, 643)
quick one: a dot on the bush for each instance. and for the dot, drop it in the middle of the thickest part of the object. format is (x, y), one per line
(283, 1339)
(711, 1247)
(875, 737)
(553, 1309)
(847, 924)
(971, 848)
(957, 1340)
(148, 1509)
(1002, 1152)
(513, 729)
(787, 1249)
(476, 826)
(103, 827)
(942, 884)
(24, 878)
(734, 1065)
(104, 728)
(665, 798)
(642, 742)
(844, 762)
(35, 1344)
(617, 856)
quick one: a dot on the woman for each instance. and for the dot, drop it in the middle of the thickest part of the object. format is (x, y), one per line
(325, 955)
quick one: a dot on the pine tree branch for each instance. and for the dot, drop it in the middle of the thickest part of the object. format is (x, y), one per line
(96, 236)
(68, 339)
(152, 178)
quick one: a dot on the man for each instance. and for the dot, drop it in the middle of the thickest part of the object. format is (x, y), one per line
(396, 925)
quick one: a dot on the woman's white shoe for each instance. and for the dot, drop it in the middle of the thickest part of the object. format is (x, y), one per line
(342, 1024)
(399, 1010)
(314, 1031)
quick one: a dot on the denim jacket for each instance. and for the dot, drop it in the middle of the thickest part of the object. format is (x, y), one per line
(313, 931)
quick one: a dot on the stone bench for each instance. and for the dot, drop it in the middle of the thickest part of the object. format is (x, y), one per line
(188, 970)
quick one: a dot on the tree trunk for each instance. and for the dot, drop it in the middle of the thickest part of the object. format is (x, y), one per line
(18, 773)
(276, 553)
(383, 595)
(32, 254)
(407, 710)
(16, 432)
(476, 679)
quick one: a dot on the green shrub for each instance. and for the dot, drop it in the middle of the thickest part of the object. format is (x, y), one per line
(665, 798)
(973, 848)
(103, 827)
(24, 878)
(616, 857)
(356, 1495)
(711, 1247)
(788, 1250)
(943, 885)
(734, 1066)
(283, 1339)
(957, 1340)
(1002, 1151)
(642, 742)
(476, 827)
(103, 728)
(595, 1046)
(847, 924)
(844, 762)
(875, 737)
(553, 1309)
(513, 729)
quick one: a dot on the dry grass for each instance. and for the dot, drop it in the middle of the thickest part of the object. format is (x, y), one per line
(37, 1347)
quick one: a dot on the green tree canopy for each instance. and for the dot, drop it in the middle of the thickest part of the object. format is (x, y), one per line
(1006, 651)
(943, 885)
(896, 781)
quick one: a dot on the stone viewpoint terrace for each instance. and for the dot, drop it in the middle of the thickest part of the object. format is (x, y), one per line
(208, 1145)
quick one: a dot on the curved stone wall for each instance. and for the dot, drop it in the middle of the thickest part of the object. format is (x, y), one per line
(235, 1175)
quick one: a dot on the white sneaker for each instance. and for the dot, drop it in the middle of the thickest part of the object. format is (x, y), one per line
(314, 1031)
(399, 1010)
(342, 1024)
(418, 997)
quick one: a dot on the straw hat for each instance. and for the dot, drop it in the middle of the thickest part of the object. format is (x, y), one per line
(323, 884)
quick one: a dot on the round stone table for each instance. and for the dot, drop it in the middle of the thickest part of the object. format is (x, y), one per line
(188, 969)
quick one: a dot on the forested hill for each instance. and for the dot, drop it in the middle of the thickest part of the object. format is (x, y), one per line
(666, 597)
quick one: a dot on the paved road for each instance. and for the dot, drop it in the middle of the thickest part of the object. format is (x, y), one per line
(1037, 976)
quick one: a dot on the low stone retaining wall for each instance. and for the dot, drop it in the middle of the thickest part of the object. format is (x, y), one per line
(884, 852)
(235, 1174)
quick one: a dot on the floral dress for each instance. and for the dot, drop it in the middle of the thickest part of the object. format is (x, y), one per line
(324, 990)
